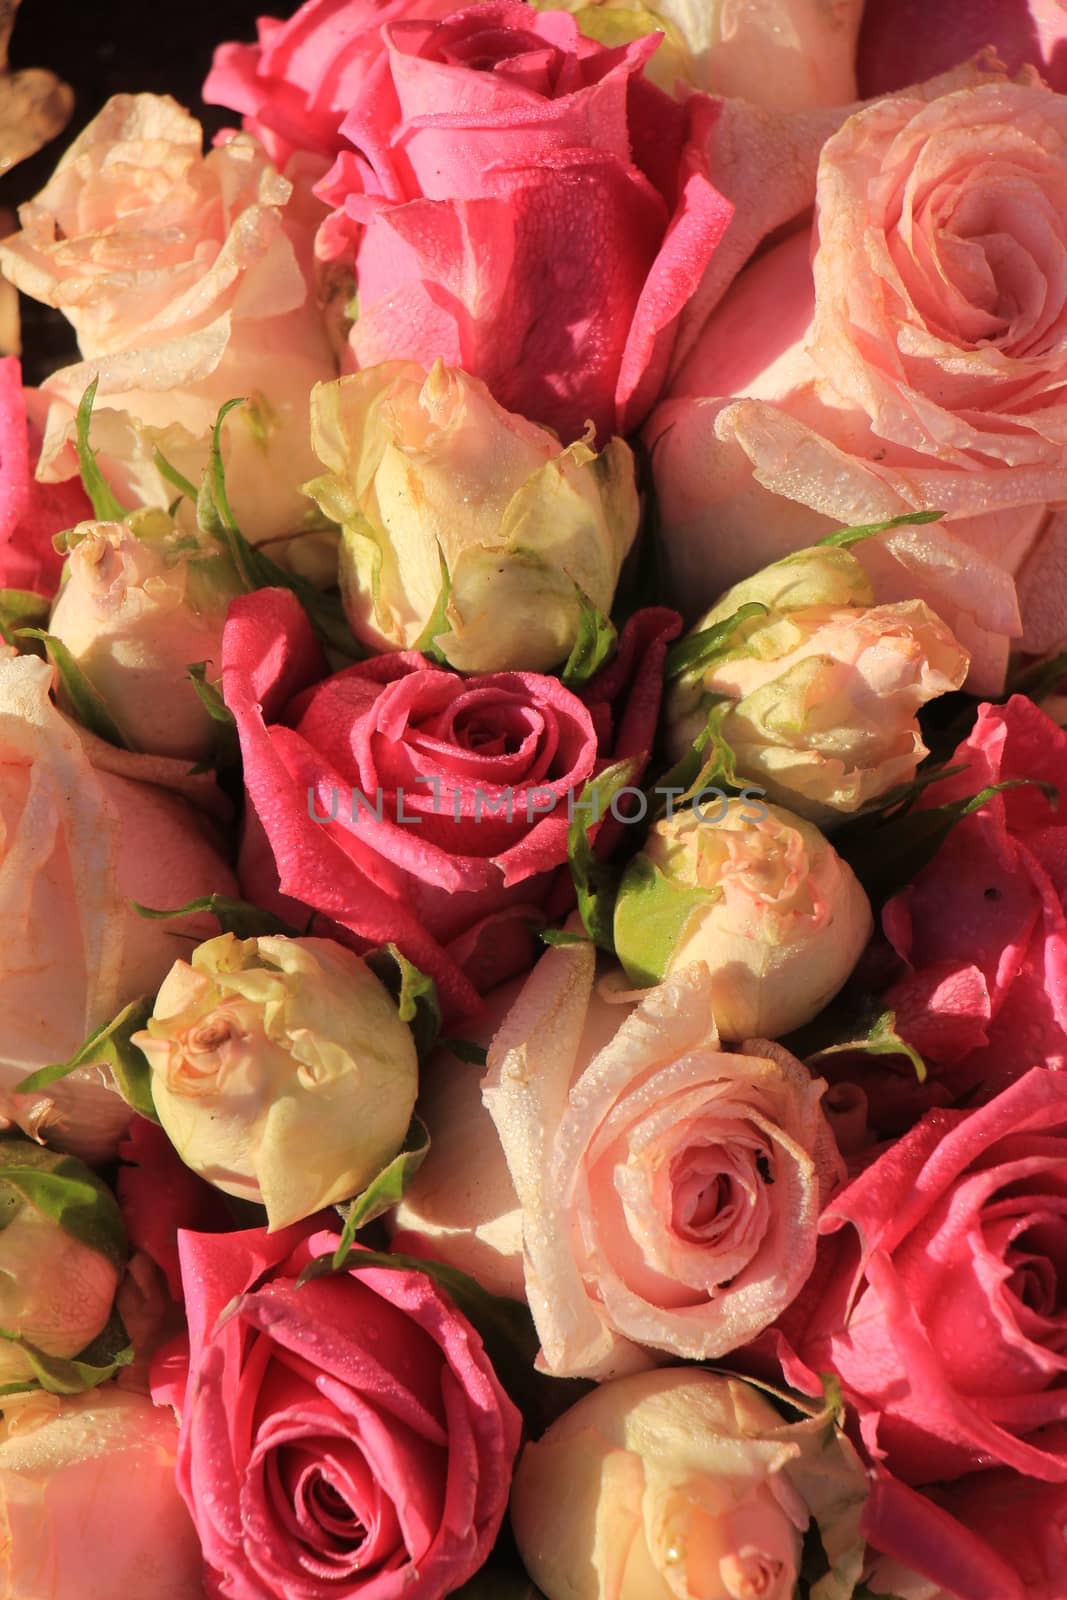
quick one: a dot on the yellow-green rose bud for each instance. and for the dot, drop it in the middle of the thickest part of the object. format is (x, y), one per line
(62, 1251)
(756, 893)
(281, 1070)
(137, 608)
(825, 685)
(429, 476)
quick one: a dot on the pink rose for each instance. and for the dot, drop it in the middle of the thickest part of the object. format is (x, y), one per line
(920, 363)
(30, 512)
(295, 86)
(670, 1190)
(983, 928)
(936, 1297)
(471, 778)
(158, 1195)
(503, 161)
(345, 1438)
(904, 40)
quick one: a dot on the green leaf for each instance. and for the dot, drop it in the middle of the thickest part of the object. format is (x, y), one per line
(414, 992)
(464, 1050)
(596, 882)
(594, 644)
(843, 538)
(110, 1045)
(386, 1191)
(238, 917)
(85, 701)
(177, 480)
(106, 507)
(70, 1195)
(438, 624)
(696, 652)
(99, 1361)
(880, 1039)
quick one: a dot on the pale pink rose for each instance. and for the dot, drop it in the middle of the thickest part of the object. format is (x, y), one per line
(187, 279)
(89, 1504)
(670, 1191)
(903, 40)
(80, 838)
(920, 363)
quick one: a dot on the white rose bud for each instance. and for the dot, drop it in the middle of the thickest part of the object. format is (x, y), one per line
(62, 1250)
(425, 469)
(136, 610)
(826, 685)
(263, 1050)
(757, 894)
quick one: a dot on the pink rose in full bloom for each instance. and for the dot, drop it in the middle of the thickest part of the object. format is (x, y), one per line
(937, 1298)
(526, 205)
(405, 803)
(983, 927)
(348, 1437)
(904, 40)
(670, 1190)
(30, 512)
(919, 363)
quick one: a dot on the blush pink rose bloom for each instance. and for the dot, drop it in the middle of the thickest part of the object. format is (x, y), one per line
(937, 1299)
(30, 512)
(471, 778)
(348, 1437)
(902, 41)
(670, 1190)
(526, 205)
(188, 280)
(919, 362)
(86, 828)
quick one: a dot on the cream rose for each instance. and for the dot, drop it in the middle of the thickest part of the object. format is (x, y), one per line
(920, 363)
(84, 829)
(89, 1506)
(187, 279)
(670, 1191)
(759, 896)
(426, 469)
(263, 1050)
(825, 684)
(137, 608)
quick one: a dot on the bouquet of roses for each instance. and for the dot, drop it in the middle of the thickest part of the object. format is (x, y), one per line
(532, 864)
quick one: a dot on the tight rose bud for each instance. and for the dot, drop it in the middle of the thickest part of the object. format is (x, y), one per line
(61, 1256)
(669, 1485)
(263, 1050)
(759, 896)
(136, 610)
(826, 684)
(427, 473)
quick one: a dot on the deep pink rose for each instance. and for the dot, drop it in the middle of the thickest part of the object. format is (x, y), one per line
(296, 84)
(30, 512)
(158, 1194)
(347, 1438)
(442, 872)
(937, 1296)
(983, 928)
(905, 40)
(523, 203)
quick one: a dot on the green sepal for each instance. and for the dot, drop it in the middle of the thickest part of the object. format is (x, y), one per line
(415, 994)
(227, 746)
(176, 479)
(384, 1192)
(70, 1195)
(21, 608)
(85, 701)
(843, 538)
(696, 652)
(596, 882)
(594, 644)
(106, 508)
(475, 1055)
(1036, 680)
(438, 622)
(880, 1039)
(556, 937)
(498, 1583)
(238, 917)
(651, 915)
(708, 763)
(98, 1362)
(111, 1044)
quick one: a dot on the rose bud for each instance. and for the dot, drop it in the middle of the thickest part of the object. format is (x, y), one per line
(60, 1262)
(136, 610)
(662, 1486)
(757, 894)
(426, 470)
(826, 684)
(88, 1500)
(265, 1049)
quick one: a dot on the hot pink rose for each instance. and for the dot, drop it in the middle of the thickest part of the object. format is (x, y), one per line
(347, 1438)
(904, 40)
(158, 1194)
(405, 803)
(30, 512)
(525, 205)
(937, 1298)
(983, 927)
